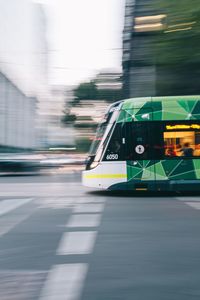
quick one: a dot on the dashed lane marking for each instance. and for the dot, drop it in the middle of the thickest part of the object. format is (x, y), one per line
(81, 242)
(84, 220)
(64, 282)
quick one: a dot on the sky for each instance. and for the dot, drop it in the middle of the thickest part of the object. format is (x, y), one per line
(84, 37)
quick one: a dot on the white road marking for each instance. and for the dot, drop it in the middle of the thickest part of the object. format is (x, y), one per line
(8, 225)
(40, 189)
(77, 243)
(195, 205)
(56, 203)
(91, 200)
(84, 220)
(188, 199)
(64, 282)
(10, 204)
(193, 202)
(89, 208)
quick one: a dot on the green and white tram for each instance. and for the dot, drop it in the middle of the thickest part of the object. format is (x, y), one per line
(147, 144)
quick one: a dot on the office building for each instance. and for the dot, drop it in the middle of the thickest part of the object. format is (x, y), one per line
(23, 73)
(142, 22)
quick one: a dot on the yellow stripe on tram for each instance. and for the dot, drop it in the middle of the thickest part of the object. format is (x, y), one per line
(100, 176)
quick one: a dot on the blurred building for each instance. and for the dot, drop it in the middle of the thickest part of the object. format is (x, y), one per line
(89, 112)
(17, 117)
(161, 48)
(142, 22)
(24, 73)
(58, 104)
(91, 101)
(109, 80)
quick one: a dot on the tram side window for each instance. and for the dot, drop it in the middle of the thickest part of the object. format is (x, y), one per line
(182, 140)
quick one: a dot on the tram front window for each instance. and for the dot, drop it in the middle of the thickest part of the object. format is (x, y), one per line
(99, 135)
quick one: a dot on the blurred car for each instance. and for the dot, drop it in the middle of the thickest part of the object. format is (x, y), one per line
(29, 163)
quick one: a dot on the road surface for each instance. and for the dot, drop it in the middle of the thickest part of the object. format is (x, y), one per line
(60, 241)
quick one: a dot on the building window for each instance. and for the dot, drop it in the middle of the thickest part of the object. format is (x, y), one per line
(150, 23)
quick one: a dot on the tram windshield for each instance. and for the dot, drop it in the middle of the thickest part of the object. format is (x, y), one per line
(109, 118)
(98, 138)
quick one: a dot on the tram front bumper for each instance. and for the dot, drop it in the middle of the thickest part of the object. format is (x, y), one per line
(105, 175)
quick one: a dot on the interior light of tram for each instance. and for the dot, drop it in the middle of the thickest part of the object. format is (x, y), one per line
(182, 126)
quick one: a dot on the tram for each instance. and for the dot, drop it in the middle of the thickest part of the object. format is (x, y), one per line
(150, 143)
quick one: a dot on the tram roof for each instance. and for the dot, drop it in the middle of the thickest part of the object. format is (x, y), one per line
(139, 102)
(161, 108)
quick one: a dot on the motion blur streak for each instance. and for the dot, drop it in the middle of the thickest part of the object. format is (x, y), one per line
(62, 64)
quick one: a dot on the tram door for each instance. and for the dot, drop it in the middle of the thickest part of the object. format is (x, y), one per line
(138, 147)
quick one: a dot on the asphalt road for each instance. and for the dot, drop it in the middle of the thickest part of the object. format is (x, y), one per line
(60, 241)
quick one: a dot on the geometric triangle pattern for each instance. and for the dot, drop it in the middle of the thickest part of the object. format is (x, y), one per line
(160, 108)
(141, 169)
(164, 170)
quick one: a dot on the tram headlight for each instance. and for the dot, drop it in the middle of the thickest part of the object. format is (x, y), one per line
(94, 164)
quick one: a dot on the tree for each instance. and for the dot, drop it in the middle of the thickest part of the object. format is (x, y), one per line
(89, 91)
(110, 95)
(86, 91)
(68, 119)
